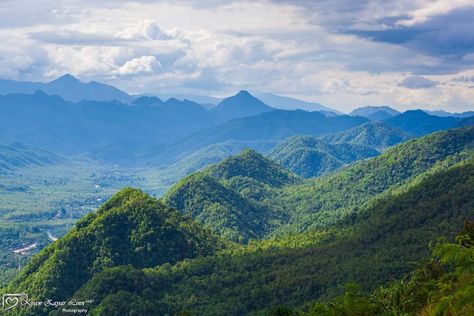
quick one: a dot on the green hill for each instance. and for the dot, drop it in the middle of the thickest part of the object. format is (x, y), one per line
(325, 201)
(253, 165)
(373, 134)
(295, 207)
(226, 197)
(310, 157)
(378, 246)
(129, 229)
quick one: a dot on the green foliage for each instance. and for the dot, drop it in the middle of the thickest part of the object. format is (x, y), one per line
(229, 197)
(365, 224)
(376, 246)
(131, 228)
(254, 193)
(253, 165)
(310, 157)
(377, 135)
(443, 286)
(328, 200)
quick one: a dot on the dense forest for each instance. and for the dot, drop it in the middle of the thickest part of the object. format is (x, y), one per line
(247, 236)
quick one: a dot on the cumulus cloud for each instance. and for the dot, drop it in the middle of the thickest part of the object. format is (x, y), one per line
(417, 82)
(144, 30)
(140, 65)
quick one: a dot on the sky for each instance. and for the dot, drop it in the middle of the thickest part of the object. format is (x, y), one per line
(340, 53)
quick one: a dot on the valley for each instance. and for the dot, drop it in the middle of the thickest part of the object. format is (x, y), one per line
(232, 209)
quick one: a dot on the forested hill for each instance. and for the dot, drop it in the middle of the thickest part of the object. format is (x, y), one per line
(224, 201)
(225, 197)
(310, 157)
(325, 201)
(129, 229)
(378, 135)
(250, 164)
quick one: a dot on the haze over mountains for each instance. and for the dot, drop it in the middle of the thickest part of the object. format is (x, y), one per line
(104, 123)
(247, 190)
(68, 87)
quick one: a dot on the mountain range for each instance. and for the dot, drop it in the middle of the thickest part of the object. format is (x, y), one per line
(270, 125)
(361, 224)
(252, 209)
(69, 88)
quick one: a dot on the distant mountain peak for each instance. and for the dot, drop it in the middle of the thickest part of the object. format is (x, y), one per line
(375, 112)
(240, 105)
(67, 87)
(39, 93)
(244, 93)
(147, 100)
(417, 112)
(67, 78)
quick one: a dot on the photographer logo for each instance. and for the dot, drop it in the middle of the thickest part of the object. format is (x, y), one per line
(10, 301)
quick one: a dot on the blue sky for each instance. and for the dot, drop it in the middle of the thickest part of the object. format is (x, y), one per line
(344, 54)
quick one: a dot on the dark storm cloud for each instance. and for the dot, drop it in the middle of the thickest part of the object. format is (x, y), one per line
(450, 35)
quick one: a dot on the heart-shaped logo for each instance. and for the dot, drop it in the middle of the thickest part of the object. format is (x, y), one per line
(13, 300)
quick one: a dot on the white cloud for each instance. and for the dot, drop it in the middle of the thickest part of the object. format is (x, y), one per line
(143, 30)
(140, 65)
(429, 8)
